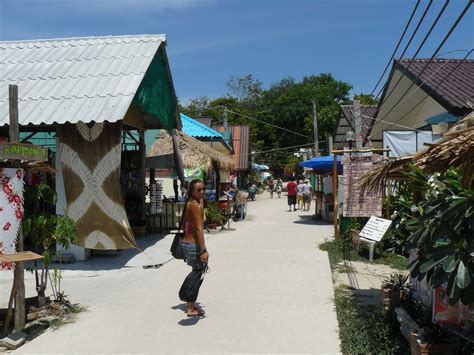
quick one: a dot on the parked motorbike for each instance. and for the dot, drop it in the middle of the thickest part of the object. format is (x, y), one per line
(278, 190)
(252, 192)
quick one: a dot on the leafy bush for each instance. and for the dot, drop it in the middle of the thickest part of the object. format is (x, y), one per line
(213, 213)
(362, 333)
(443, 233)
(396, 238)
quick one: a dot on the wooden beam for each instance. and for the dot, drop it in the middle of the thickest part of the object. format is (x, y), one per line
(19, 274)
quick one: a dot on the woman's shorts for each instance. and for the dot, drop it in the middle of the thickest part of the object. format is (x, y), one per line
(291, 200)
(192, 253)
(307, 198)
(299, 198)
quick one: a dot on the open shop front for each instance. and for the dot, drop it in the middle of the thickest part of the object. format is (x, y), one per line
(167, 192)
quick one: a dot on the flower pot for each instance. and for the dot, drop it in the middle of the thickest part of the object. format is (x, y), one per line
(212, 225)
(420, 346)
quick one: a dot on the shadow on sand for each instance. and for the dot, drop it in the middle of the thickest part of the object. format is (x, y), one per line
(310, 219)
(188, 321)
(118, 259)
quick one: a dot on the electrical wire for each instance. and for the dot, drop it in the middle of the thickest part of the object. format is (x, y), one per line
(267, 123)
(433, 25)
(398, 45)
(431, 59)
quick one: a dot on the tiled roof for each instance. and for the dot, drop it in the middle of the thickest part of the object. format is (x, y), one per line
(74, 79)
(453, 91)
(196, 129)
(347, 121)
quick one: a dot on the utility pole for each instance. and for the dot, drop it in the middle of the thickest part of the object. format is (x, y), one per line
(358, 124)
(225, 119)
(330, 144)
(315, 130)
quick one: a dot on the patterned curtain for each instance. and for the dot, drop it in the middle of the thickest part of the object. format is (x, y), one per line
(90, 155)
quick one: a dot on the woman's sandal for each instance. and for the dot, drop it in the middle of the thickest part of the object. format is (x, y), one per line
(195, 313)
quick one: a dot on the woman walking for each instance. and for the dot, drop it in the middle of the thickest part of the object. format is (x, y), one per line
(193, 244)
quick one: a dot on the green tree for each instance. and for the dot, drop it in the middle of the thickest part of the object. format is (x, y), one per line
(366, 99)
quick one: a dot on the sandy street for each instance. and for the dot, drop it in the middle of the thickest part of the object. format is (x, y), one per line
(269, 291)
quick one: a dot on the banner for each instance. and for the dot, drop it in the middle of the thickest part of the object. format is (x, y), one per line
(458, 318)
(11, 211)
(91, 157)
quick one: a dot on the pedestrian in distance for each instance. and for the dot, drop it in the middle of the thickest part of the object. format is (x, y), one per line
(291, 187)
(279, 187)
(299, 194)
(193, 243)
(271, 186)
(307, 195)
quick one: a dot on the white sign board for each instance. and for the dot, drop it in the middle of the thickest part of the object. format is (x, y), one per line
(375, 228)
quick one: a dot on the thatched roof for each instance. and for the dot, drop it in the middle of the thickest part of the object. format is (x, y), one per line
(194, 153)
(456, 148)
(374, 180)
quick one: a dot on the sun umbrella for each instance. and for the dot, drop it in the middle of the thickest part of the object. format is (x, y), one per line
(324, 163)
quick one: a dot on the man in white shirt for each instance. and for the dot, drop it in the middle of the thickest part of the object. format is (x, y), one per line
(299, 194)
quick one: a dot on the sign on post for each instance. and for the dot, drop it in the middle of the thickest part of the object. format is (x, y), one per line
(375, 228)
(356, 202)
(18, 151)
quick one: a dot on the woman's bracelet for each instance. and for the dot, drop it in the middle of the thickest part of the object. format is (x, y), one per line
(203, 251)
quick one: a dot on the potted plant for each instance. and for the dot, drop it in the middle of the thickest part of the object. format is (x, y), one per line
(395, 288)
(433, 339)
(46, 230)
(213, 215)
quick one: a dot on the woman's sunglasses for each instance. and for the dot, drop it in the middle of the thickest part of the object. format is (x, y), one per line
(200, 189)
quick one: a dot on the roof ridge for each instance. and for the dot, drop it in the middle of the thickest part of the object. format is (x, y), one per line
(60, 77)
(162, 35)
(422, 60)
(60, 60)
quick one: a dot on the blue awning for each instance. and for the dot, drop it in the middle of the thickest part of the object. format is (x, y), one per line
(324, 163)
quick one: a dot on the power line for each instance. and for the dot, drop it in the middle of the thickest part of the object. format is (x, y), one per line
(433, 25)
(398, 45)
(420, 21)
(440, 83)
(269, 124)
(432, 57)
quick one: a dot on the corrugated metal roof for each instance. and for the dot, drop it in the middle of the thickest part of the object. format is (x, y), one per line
(196, 129)
(75, 79)
(241, 145)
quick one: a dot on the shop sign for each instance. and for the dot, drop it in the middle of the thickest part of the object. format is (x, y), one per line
(18, 151)
(356, 203)
(375, 228)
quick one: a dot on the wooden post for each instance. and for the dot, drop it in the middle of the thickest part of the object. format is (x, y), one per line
(389, 194)
(19, 274)
(334, 190)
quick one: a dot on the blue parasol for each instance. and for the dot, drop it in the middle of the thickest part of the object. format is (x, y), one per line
(324, 163)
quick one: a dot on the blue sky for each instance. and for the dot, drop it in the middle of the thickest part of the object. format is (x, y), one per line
(210, 40)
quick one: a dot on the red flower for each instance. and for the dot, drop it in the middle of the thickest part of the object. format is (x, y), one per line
(19, 214)
(6, 180)
(19, 174)
(7, 226)
(17, 199)
(7, 189)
